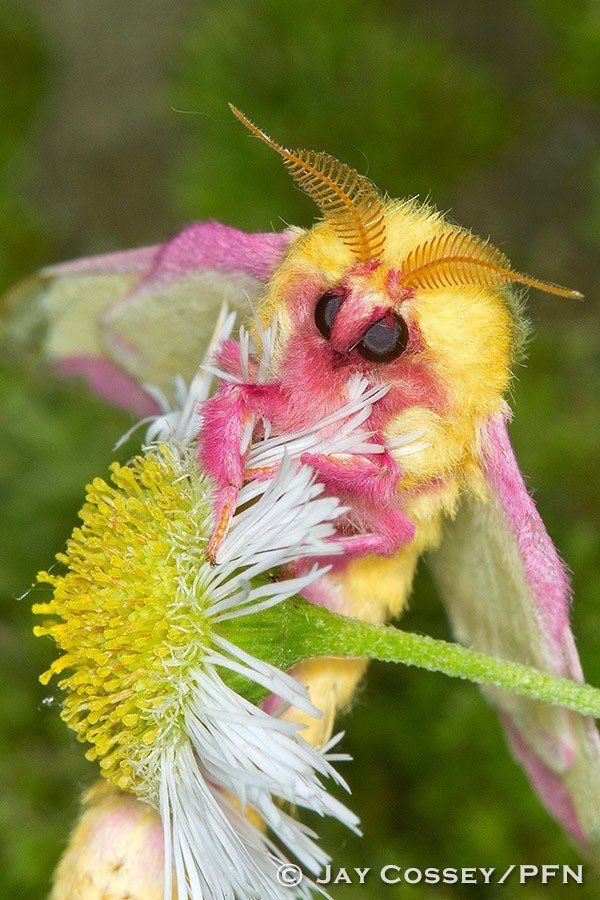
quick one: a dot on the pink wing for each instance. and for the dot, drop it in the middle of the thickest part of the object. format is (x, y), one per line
(507, 594)
(128, 319)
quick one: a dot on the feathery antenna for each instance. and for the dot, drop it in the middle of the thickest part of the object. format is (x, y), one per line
(457, 258)
(345, 197)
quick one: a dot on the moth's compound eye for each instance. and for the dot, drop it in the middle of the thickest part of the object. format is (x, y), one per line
(325, 311)
(385, 340)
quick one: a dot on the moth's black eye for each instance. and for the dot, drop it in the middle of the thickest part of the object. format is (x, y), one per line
(385, 340)
(325, 311)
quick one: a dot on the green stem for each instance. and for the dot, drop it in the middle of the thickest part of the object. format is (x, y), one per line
(297, 630)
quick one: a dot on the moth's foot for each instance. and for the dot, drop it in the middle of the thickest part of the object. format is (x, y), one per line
(225, 508)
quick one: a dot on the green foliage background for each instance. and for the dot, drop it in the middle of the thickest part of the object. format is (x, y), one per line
(115, 132)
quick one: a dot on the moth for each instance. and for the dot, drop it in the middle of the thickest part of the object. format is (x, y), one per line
(394, 292)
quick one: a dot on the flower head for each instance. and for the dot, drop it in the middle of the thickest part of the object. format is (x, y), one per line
(165, 701)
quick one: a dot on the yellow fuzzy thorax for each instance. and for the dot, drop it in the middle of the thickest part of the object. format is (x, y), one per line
(124, 621)
(467, 333)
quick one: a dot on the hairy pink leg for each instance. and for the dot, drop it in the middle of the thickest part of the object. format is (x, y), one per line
(362, 477)
(371, 486)
(391, 530)
(225, 417)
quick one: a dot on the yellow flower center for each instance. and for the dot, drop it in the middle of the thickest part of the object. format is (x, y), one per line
(128, 611)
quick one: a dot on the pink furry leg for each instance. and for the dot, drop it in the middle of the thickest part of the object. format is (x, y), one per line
(391, 530)
(226, 416)
(372, 489)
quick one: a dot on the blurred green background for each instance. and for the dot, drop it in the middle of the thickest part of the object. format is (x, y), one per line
(114, 132)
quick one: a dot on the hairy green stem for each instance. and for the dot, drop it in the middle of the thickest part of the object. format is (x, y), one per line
(296, 630)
